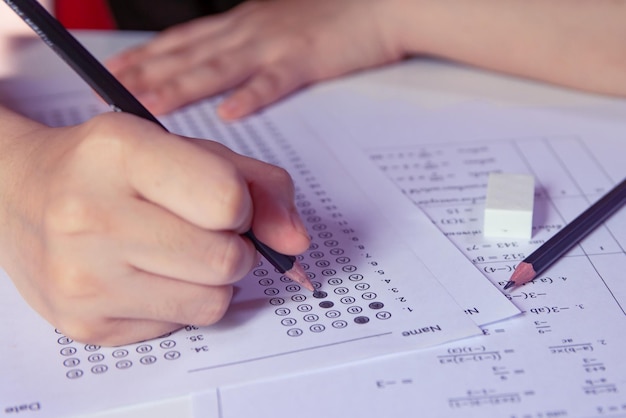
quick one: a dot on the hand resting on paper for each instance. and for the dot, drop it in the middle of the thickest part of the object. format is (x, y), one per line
(261, 51)
(116, 231)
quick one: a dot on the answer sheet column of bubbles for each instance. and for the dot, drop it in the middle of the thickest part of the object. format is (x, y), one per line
(352, 289)
(79, 360)
(345, 296)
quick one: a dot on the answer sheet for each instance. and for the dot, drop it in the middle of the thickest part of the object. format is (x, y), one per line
(564, 356)
(375, 296)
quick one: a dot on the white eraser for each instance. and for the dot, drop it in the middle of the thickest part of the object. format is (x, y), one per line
(509, 206)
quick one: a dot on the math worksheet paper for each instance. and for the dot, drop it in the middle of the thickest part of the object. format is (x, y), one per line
(563, 357)
(374, 298)
(480, 299)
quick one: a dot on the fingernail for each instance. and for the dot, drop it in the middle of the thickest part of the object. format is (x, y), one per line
(297, 223)
(229, 109)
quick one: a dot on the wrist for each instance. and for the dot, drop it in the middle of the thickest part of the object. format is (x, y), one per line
(16, 165)
(13, 125)
(411, 25)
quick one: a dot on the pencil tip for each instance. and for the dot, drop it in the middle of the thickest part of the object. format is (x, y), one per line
(523, 273)
(298, 275)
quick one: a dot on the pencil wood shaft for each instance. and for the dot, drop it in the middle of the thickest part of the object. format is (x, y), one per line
(573, 232)
(570, 235)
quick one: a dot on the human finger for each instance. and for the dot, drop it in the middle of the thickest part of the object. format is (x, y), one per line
(215, 75)
(152, 297)
(269, 84)
(196, 184)
(158, 242)
(113, 332)
(94, 289)
(151, 70)
(171, 39)
(276, 220)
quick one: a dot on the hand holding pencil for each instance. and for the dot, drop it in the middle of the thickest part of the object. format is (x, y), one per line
(117, 231)
(126, 232)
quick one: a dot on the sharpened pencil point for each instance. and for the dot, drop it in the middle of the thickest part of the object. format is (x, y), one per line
(524, 272)
(298, 275)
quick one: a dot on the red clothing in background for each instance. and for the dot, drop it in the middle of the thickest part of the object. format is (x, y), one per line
(84, 14)
(152, 15)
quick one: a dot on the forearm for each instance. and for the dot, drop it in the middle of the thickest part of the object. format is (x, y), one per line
(15, 154)
(578, 43)
(12, 124)
(19, 207)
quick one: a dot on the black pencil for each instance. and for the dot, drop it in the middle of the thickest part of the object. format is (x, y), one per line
(569, 236)
(54, 34)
